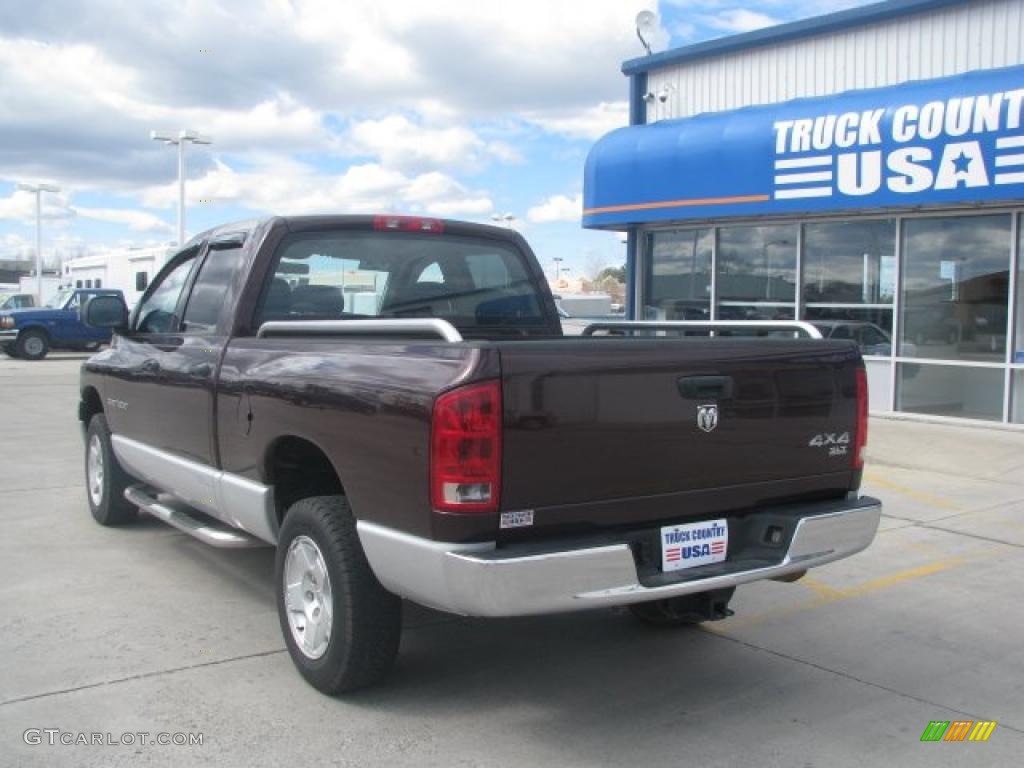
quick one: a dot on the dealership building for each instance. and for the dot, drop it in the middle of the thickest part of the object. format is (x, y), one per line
(862, 170)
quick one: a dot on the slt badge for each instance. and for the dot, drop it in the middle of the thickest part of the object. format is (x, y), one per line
(707, 417)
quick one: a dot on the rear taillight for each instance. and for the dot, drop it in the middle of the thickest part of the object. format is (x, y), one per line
(408, 224)
(465, 449)
(861, 439)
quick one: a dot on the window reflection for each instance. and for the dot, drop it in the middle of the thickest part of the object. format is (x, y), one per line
(955, 286)
(870, 328)
(678, 279)
(850, 262)
(756, 265)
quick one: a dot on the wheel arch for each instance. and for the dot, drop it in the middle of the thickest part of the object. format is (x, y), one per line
(298, 468)
(89, 404)
(36, 327)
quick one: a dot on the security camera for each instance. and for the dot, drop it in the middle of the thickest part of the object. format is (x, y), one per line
(663, 97)
(649, 97)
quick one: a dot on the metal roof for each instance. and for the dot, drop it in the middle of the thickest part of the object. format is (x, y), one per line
(818, 25)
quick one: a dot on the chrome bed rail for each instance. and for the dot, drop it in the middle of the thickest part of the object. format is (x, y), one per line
(387, 327)
(795, 326)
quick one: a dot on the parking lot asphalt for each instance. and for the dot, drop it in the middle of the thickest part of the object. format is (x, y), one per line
(146, 630)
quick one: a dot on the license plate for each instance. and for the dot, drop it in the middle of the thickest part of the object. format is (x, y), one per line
(693, 544)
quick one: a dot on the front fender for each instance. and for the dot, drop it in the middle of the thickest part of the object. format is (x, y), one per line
(34, 326)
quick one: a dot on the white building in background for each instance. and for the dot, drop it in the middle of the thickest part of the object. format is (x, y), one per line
(128, 269)
(51, 284)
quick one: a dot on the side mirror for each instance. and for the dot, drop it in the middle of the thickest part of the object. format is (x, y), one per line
(104, 312)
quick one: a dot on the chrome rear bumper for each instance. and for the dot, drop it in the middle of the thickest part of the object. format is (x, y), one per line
(482, 580)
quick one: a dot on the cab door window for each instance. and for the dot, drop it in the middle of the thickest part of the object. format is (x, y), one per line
(157, 312)
(206, 302)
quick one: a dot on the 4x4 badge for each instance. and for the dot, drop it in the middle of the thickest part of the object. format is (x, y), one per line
(707, 417)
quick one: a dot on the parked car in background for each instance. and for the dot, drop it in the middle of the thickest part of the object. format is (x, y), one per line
(927, 325)
(16, 301)
(32, 332)
(871, 339)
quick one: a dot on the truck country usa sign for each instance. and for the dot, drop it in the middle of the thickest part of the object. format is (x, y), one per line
(941, 145)
(952, 140)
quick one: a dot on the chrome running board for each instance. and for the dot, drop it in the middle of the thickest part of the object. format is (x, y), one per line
(183, 517)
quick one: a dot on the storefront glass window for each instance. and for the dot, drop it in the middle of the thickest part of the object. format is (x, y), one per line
(1018, 348)
(1017, 409)
(955, 288)
(870, 328)
(946, 390)
(849, 262)
(678, 275)
(757, 272)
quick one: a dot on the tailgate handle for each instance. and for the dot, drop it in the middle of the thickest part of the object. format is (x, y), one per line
(705, 387)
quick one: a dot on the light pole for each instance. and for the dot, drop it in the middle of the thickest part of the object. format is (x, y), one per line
(508, 218)
(558, 266)
(180, 140)
(38, 190)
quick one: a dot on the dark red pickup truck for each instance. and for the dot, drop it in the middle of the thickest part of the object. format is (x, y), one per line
(390, 402)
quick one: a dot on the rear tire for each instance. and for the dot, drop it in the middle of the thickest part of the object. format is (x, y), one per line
(105, 481)
(32, 344)
(342, 628)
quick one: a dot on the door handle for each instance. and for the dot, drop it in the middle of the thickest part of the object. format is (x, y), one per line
(705, 387)
(150, 366)
(200, 370)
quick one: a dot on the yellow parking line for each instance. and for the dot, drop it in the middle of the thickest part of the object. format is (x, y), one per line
(922, 496)
(826, 595)
(824, 592)
(883, 582)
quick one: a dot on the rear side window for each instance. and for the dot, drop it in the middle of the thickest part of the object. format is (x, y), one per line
(211, 285)
(347, 275)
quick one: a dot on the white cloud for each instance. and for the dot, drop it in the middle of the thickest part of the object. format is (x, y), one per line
(462, 207)
(740, 20)
(557, 208)
(404, 89)
(684, 30)
(403, 144)
(139, 221)
(288, 187)
(586, 124)
(71, 112)
(21, 206)
(14, 246)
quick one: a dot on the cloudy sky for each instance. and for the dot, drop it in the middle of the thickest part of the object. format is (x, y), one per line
(448, 107)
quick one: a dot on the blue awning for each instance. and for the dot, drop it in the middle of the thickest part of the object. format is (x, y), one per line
(950, 140)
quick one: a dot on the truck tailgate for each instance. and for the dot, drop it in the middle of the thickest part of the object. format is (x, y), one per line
(605, 432)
